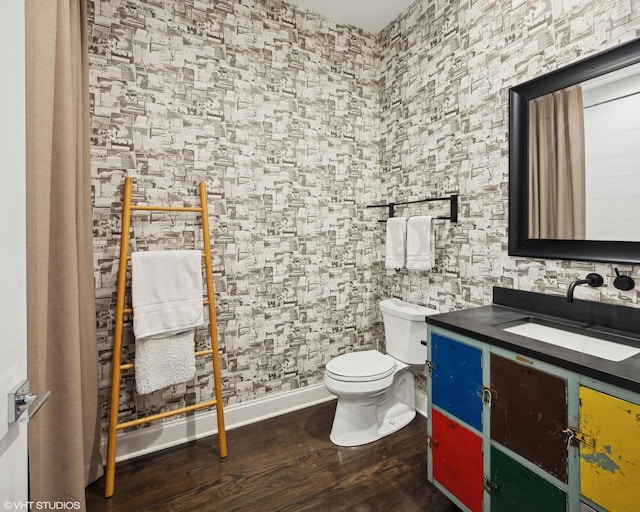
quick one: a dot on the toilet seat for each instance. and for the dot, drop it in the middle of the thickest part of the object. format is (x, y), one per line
(363, 366)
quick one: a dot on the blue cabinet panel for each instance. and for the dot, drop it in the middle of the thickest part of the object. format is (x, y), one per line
(456, 379)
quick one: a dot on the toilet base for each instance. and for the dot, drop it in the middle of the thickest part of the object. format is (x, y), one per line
(360, 420)
(399, 416)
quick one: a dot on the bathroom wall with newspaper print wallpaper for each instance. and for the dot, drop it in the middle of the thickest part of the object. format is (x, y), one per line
(296, 124)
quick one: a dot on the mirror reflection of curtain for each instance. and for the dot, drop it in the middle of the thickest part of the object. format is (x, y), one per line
(557, 166)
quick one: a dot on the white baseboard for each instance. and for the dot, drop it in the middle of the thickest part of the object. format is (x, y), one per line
(421, 403)
(165, 435)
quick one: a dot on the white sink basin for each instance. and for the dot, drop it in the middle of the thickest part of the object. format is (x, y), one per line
(586, 344)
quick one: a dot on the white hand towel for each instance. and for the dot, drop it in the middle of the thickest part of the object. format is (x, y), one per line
(420, 243)
(166, 292)
(396, 240)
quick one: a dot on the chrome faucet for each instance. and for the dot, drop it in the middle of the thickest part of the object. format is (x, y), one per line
(594, 280)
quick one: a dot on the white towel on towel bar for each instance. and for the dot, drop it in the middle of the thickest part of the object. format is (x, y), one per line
(166, 292)
(396, 241)
(420, 243)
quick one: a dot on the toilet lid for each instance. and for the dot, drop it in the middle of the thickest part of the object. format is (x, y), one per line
(361, 366)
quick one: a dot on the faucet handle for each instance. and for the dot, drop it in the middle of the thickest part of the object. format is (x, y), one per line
(594, 280)
(623, 282)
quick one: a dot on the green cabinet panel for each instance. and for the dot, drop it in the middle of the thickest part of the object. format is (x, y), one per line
(518, 489)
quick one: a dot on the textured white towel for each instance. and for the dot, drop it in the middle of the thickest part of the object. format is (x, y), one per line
(166, 292)
(396, 240)
(162, 362)
(420, 243)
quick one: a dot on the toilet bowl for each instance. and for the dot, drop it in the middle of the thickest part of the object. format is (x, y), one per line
(376, 393)
(369, 406)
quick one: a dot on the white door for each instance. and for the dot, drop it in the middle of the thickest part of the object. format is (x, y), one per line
(13, 293)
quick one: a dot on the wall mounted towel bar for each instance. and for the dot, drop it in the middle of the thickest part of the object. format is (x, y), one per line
(453, 198)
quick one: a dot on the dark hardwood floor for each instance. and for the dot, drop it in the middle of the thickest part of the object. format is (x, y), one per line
(282, 464)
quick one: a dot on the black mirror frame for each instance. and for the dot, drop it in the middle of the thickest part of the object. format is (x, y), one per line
(519, 242)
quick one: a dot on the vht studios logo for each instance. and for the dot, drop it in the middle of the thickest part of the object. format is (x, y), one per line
(41, 505)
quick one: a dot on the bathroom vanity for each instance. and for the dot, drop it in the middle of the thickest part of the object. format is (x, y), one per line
(520, 424)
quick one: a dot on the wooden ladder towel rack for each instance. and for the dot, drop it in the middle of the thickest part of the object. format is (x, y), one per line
(121, 312)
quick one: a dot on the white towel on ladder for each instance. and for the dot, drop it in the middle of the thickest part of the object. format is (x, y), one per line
(396, 240)
(166, 292)
(162, 362)
(420, 243)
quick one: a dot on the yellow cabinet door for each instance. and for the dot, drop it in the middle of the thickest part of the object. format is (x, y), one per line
(610, 457)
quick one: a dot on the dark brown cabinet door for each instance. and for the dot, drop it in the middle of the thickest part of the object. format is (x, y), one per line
(529, 413)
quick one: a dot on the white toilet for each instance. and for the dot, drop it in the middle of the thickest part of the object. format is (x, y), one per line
(376, 391)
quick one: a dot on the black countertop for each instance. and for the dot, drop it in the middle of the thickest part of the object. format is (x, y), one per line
(615, 323)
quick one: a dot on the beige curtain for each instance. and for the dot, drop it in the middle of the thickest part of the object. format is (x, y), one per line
(64, 438)
(557, 166)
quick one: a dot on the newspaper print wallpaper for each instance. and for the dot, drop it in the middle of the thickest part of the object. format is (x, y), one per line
(296, 124)
(446, 68)
(277, 111)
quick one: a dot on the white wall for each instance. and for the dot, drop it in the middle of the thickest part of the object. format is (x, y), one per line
(612, 135)
(13, 353)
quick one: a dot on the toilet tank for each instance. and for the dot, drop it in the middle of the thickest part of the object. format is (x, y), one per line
(404, 329)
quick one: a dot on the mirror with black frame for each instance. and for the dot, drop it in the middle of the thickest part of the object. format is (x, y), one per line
(574, 160)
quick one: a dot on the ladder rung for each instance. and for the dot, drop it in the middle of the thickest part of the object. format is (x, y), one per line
(203, 256)
(129, 311)
(168, 208)
(166, 414)
(199, 353)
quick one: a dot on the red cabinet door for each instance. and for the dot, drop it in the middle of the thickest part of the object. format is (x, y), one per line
(457, 460)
